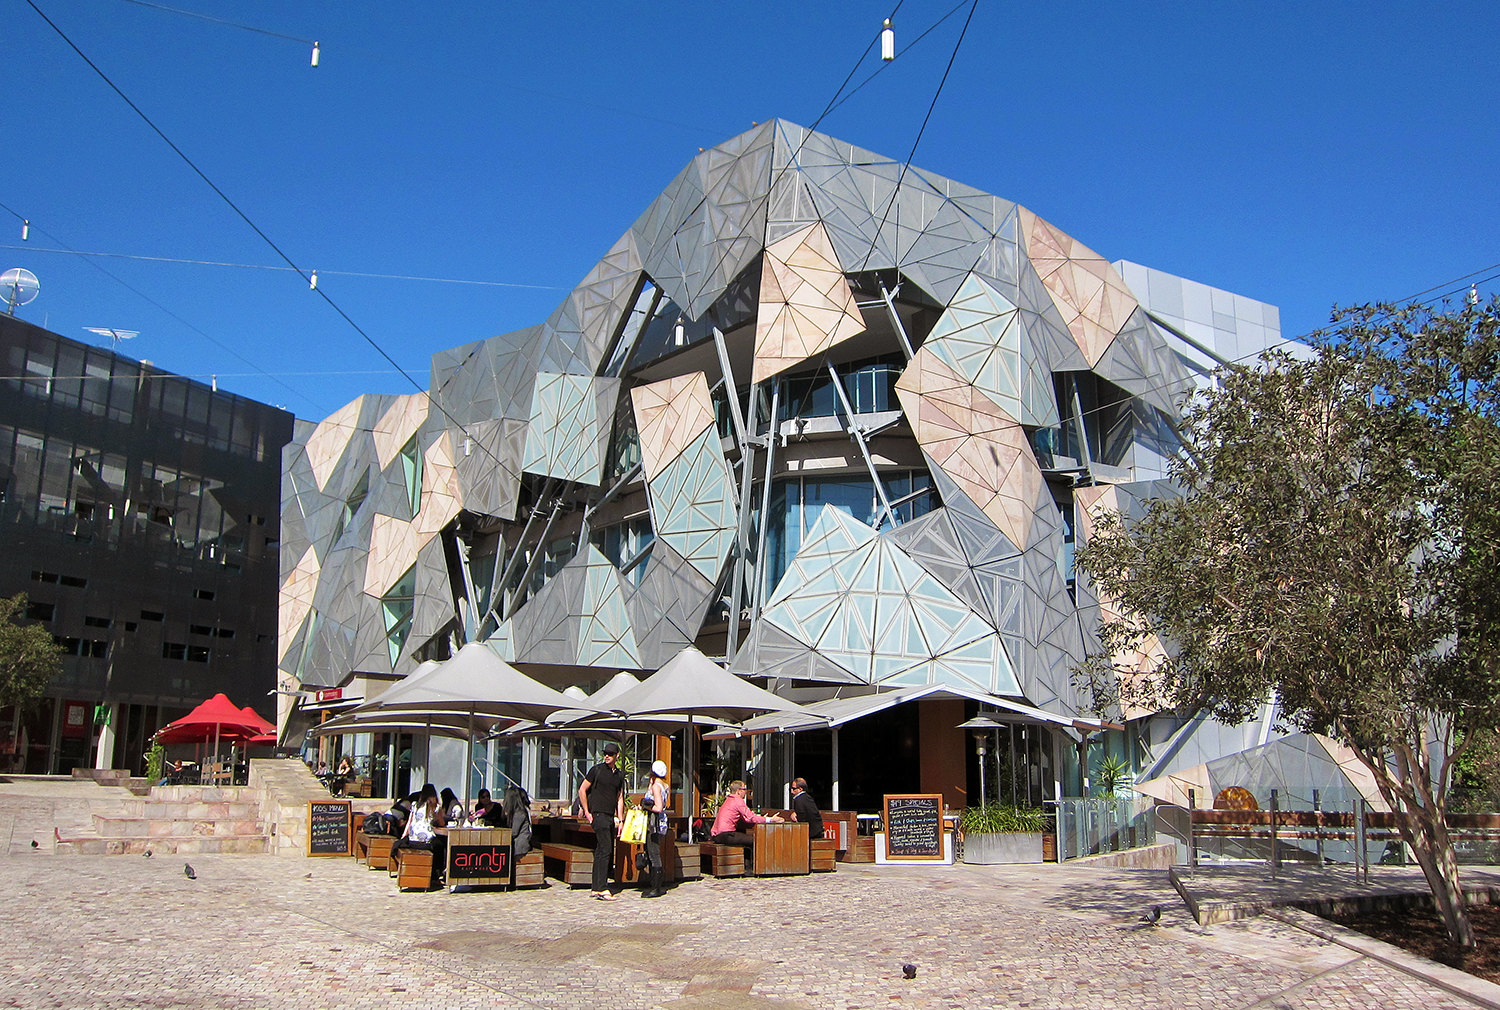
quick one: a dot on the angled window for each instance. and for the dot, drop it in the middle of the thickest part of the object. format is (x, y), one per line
(351, 505)
(396, 608)
(411, 473)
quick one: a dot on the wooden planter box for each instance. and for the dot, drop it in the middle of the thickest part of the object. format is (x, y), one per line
(1003, 847)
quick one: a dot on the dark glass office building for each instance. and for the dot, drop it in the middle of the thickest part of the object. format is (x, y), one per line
(139, 511)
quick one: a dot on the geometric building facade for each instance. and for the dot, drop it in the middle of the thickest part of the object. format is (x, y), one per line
(818, 416)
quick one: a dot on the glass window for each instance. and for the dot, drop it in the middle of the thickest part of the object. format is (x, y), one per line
(411, 473)
(396, 607)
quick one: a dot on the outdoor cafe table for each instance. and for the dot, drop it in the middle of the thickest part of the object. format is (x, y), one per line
(479, 857)
(780, 849)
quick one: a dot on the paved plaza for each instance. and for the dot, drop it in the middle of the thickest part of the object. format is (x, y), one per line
(266, 932)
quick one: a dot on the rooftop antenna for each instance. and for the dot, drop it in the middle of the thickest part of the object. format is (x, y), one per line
(114, 335)
(19, 287)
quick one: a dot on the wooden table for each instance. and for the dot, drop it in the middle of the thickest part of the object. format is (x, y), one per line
(479, 857)
(779, 848)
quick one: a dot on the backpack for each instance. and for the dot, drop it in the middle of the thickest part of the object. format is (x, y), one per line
(374, 824)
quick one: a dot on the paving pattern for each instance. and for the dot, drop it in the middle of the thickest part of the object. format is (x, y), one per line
(258, 931)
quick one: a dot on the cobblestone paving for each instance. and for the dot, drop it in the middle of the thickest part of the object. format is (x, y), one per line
(256, 931)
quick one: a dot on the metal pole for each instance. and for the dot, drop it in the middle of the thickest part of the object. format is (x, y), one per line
(835, 732)
(1192, 841)
(1275, 852)
(1362, 854)
(1012, 764)
(1317, 808)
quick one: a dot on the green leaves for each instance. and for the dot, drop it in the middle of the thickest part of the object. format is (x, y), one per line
(994, 818)
(28, 656)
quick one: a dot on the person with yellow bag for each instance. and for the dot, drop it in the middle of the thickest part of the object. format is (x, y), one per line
(655, 805)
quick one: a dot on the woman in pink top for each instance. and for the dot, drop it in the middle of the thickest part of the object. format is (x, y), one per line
(733, 813)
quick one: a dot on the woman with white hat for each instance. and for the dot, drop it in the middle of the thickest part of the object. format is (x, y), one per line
(655, 804)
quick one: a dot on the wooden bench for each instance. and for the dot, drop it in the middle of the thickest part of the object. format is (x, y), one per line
(416, 870)
(572, 864)
(378, 851)
(361, 846)
(531, 869)
(861, 850)
(722, 860)
(822, 857)
(689, 860)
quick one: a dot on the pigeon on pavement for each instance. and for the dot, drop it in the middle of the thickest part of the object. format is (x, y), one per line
(188, 872)
(1153, 914)
(147, 853)
(909, 970)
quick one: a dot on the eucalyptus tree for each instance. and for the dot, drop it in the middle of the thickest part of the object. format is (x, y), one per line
(1336, 546)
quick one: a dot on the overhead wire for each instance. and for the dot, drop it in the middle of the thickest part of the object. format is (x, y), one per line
(896, 192)
(162, 308)
(256, 228)
(270, 266)
(387, 58)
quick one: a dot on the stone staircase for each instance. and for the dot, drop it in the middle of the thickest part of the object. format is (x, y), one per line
(176, 819)
(267, 816)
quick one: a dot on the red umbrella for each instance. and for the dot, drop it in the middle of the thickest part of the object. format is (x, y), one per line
(213, 720)
(256, 720)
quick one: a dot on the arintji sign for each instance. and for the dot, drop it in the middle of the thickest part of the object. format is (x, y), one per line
(480, 860)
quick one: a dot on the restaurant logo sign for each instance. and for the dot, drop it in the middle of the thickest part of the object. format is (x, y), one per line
(480, 861)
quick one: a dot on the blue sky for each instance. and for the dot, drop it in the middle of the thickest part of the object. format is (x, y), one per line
(1299, 154)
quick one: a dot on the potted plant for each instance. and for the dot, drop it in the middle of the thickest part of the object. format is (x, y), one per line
(996, 833)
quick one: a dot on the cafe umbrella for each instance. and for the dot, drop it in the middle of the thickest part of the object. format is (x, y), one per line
(696, 689)
(475, 683)
(215, 719)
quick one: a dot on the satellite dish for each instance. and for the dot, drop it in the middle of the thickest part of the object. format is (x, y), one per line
(18, 287)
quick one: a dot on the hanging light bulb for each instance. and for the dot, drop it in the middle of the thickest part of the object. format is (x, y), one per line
(312, 282)
(25, 229)
(887, 42)
(315, 54)
(679, 333)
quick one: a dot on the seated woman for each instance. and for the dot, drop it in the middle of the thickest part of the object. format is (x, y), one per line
(342, 776)
(481, 805)
(734, 814)
(514, 813)
(400, 812)
(453, 808)
(426, 828)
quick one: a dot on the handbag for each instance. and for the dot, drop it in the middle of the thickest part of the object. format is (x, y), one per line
(633, 830)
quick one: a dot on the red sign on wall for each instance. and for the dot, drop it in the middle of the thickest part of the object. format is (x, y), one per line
(75, 719)
(331, 694)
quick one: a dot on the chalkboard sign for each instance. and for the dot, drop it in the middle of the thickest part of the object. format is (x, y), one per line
(914, 826)
(328, 827)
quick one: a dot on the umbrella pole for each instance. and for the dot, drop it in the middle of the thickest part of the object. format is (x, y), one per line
(835, 732)
(469, 762)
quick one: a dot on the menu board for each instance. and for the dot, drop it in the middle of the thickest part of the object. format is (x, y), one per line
(328, 827)
(914, 826)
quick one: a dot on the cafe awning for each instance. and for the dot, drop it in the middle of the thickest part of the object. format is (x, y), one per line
(834, 712)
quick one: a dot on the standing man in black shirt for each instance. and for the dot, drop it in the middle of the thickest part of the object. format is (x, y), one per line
(805, 808)
(602, 796)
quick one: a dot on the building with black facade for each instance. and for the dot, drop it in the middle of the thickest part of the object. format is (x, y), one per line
(139, 511)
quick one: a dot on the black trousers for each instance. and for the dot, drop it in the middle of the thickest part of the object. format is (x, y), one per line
(604, 850)
(732, 838)
(653, 840)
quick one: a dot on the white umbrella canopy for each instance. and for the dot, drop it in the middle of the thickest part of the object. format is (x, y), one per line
(694, 686)
(474, 682)
(447, 724)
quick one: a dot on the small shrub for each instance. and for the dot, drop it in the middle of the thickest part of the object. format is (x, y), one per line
(996, 818)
